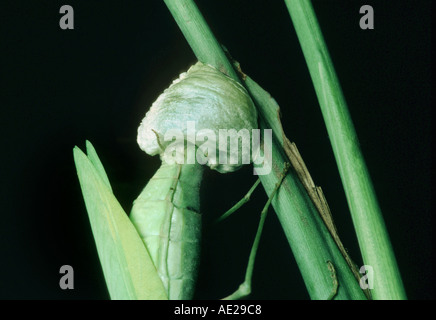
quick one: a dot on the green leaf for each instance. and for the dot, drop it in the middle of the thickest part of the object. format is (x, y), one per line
(95, 160)
(128, 269)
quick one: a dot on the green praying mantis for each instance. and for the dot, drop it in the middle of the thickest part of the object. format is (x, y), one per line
(155, 253)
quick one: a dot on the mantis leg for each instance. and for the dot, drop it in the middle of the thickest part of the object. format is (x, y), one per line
(245, 288)
(240, 203)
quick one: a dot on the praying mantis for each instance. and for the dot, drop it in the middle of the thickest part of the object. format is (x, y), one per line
(166, 215)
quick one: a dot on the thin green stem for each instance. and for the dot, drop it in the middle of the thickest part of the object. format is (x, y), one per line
(370, 227)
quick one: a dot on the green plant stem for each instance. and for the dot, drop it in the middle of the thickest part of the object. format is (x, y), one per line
(198, 34)
(366, 214)
(307, 235)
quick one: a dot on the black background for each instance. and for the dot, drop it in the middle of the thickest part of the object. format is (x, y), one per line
(61, 87)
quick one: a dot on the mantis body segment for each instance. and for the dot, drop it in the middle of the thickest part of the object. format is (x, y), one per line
(166, 215)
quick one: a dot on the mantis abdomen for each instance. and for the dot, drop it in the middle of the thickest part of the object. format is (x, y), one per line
(166, 215)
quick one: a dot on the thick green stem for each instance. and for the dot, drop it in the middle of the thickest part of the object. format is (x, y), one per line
(365, 211)
(199, 36)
